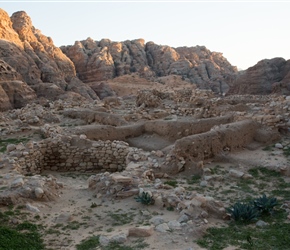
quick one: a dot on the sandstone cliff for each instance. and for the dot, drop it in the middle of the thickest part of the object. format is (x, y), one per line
(103, 60)
(14, 93)
(31, 66)
(266, 77)
(36, 61)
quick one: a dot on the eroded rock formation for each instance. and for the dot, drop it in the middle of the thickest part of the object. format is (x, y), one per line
(266, 77)
(13, 91)
(33, 59)
(103, 60)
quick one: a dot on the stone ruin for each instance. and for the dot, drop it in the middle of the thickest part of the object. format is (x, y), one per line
(104, 144)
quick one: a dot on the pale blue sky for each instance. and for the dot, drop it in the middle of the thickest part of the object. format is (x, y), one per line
(245, 32)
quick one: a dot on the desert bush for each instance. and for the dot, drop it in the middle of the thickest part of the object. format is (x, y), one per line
(243, 212)
(145, 198)
(265, 204)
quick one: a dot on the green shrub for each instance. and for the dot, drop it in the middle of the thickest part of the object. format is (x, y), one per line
(93, 205)
(15, 239)
(265, 204)
(244, 212)
(145, 198)
(89, 243)
(172, 183)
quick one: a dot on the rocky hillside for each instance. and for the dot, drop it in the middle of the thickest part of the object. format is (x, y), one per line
(103, 60)
(266, 77)
(31, 65)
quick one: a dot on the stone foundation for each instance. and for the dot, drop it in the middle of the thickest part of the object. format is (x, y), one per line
(229, 137)
(71, 153)
(170, 129)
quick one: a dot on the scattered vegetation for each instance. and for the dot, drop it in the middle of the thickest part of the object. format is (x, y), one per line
(172, 183)
(5, 142)
(274, 236)
(24, 236)
(93, 243)
(90, 243)
(252, 210)
(241, 233)
(286, 151)
(194, 179)
(120, 219)
(268, 148)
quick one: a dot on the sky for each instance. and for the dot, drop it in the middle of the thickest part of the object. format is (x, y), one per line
(244, 31)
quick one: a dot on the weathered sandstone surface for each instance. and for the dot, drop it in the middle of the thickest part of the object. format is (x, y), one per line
(30, 57)
(13, 91)
(103, 60)
(266, 77)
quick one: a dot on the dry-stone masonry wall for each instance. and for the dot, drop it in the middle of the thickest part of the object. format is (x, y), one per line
(72, 153)
(224, 137)
(191, 150)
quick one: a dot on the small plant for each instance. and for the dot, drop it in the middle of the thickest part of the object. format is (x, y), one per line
(170, 208)
(286, 151)
(243, 212)
(172, 183)
(5, 142)
(145, 198)
(93, 205)
(89, 243)
(265, 204)
(194, 179)
(268, 148)
(119, 219)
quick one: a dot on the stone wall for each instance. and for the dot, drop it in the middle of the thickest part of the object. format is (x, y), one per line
(171, 129)
(228, 137)
(181, 128)
(72, 153)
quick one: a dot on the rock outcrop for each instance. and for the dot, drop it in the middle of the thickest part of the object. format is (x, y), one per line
(266, 77)
(13, 91)
(103, 60)
(35, 61)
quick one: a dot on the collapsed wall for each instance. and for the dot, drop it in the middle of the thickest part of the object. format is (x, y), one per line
(72, 153)
(189, 152)
(171, 129)
(77, 153)
(227, 137)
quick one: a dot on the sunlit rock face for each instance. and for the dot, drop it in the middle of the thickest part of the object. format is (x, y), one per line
(31, 58)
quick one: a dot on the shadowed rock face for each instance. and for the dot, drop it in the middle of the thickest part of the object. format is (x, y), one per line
(266, 77)
(13, 91)
(103, 60)
(35, 61)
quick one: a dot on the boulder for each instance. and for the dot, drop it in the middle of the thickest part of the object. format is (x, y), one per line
(143, 231)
